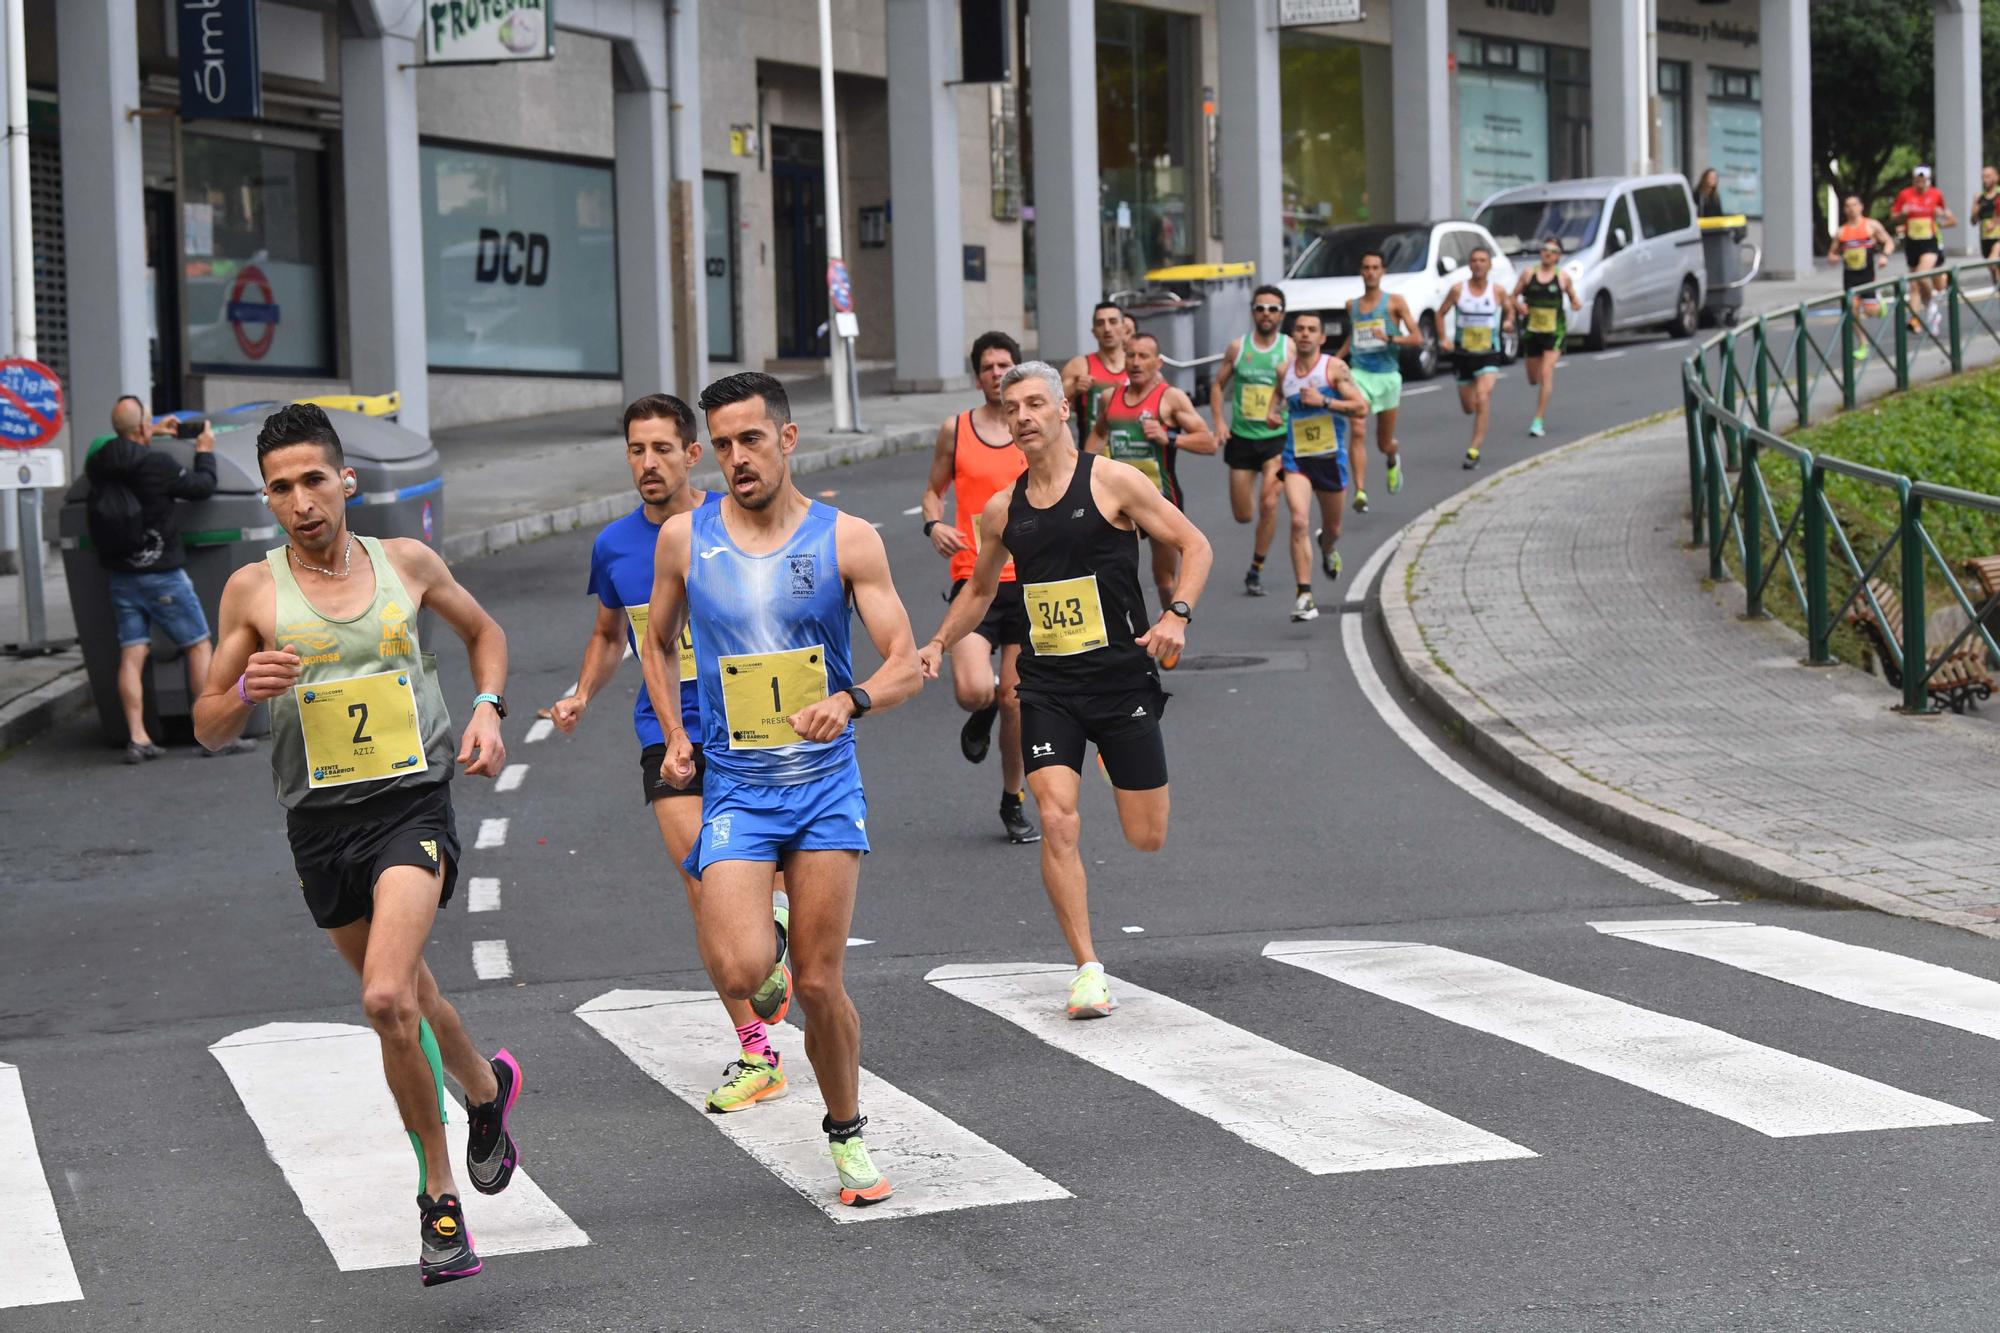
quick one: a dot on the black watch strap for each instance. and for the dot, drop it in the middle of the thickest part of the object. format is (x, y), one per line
(862, 703)
(1183, 610)
(930, 523)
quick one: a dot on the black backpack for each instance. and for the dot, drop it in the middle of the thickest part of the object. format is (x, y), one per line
(116, 520)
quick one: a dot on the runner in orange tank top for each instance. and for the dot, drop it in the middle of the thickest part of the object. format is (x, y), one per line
(974, 460)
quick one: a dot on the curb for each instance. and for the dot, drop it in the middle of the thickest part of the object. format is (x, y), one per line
(836, 452)
(24, 718)
(1522, 760)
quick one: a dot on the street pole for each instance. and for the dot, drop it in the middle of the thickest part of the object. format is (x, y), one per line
(20, 222)
(841, 366)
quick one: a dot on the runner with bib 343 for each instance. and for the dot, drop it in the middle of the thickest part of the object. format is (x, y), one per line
(362, 756)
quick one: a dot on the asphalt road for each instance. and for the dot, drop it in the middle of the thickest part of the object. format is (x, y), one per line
(1618, 1174)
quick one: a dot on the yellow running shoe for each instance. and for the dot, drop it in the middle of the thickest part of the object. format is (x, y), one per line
(773, 999)
(860, 1183)
(1090, 995)
(747, 1081)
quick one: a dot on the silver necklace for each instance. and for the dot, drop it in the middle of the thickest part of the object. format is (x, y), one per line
(346, 561)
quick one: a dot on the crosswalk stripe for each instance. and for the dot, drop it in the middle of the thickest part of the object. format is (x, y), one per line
(1851, 972)
(1771, 1091)
(1321, 1117)
(316, 1095)
(37, 1268)
(681, 1038)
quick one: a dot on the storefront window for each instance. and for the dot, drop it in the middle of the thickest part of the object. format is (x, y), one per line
(1325, 164)
(253, 251)
(1736, 138)
(520, 263)
(1523, 115)
(718, 210)
(1145, 140)
(1673, 117)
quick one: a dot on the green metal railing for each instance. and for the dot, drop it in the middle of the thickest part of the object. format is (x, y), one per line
(1730, 410)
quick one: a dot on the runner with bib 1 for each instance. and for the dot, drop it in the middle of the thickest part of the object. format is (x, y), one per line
(761, 691)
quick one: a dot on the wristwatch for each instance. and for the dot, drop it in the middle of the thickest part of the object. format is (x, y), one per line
(1183, 610)
(862, 703)
(499, 702)
(930, 523)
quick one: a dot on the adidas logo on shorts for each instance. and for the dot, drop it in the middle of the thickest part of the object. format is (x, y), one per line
(1140, 711)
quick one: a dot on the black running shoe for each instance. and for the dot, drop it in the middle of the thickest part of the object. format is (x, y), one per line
(975, 738)
(446, 1253)
(1253, 582)
(490, 1154)
(1014, 818)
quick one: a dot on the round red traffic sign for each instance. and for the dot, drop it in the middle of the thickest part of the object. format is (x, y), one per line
(31, 404)
(245, 313)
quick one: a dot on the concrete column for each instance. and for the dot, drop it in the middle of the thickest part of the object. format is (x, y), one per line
(1788, 203)
(684, 133)
(928, 253)
(383, 207)
(1252, 167)
(1069, 253)
(1617, 93)
(1419, 43)
(104, 221)
(645, 294)
(1959, 147)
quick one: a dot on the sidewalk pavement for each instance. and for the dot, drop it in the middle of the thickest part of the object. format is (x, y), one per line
(1556, 615)
(506, 483)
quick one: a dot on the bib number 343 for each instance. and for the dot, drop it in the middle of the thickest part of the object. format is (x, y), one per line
(1065, 617)
(761, 691)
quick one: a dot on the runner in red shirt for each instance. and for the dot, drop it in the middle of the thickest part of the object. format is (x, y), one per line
(1919, 211)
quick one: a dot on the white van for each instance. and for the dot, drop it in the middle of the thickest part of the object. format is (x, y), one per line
(1631, 245)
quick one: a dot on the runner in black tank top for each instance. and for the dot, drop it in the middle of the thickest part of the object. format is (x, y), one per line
(1088, 675)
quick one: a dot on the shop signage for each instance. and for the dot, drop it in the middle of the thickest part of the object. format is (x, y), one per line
(1544, 8)
(31, 404)
(516, 258)
(484, 32)
(253, 312)
(1306, 13)
(219, 72)
(1714, 30)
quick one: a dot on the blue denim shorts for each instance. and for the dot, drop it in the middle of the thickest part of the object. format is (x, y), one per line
(166, 599)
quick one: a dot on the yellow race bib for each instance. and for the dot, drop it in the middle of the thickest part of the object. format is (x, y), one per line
(1989, 228)
(1256, 401)
(361, 729)
(1065, 618)
(1921, 229)
(1313, 436)
(1477, 338)
(1855, 257)
(1541, 319)
(1370, 335)
(637, 615)
(761, 691)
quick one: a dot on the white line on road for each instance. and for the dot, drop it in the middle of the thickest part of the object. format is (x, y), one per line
(1449, 769)
(482, 894)
(855, 941)
(512, 776)
(316, 1094)
(1421, 389)
(492, 833)
(540, 731)
(1318, 1116)
(913, 509)
(1595, 357)
(935, 1164)
(491, 961)
(38, 1270)
(1851, 972)
(1770, 1091)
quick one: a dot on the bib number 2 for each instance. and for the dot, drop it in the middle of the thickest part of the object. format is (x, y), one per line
(361, 729)
(761, 691)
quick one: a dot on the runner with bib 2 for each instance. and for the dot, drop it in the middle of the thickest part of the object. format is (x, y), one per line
(1148, 423)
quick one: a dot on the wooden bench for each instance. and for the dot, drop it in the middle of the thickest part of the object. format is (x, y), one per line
(1960, 681)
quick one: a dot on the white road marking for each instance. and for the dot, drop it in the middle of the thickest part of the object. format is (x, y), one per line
(1449, 769)
(874, 525)
(540, 731)
(1603, 356)
(1318, 1116)
(38, 1270)
(1771, 1091)
(1421, 389)
(491, 961)
(854, 941)
(681, 1038)
(1851, 972)
(492, 833)
(482, 894)
(913, 509)
(1133, 930)
(511, 776)
(316, 1095)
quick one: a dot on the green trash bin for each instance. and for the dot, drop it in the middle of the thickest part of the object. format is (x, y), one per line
(401, 494)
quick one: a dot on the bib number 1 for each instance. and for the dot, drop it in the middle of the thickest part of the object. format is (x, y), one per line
(761, 692)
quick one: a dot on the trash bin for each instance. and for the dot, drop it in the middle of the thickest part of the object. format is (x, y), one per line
(1171, 318)
(1224, 291)
(1722, 245)
(401, 495)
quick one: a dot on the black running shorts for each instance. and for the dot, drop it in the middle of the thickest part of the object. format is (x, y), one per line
(1914, 252)
(1250, 455)
(341, 853)
(658, 788)
(1006, 620)
(1124, 727)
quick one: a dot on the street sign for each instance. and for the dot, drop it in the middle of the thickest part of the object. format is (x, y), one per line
(838, 288)
(31, 404)
(1306, 13)
(489, 32)
(220, 74)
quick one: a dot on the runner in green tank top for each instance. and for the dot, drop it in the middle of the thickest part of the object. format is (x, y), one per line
(1538, 299)
(1239, 401)
(324, 630)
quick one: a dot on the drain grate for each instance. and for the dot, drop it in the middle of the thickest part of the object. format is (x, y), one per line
(1287, 660)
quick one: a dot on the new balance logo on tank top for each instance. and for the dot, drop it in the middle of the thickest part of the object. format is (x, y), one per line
(773, 638)
(1079, 578)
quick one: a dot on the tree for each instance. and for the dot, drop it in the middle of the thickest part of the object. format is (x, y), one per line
(1872, 77)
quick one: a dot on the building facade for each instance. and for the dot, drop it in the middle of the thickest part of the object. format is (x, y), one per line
(647, 207)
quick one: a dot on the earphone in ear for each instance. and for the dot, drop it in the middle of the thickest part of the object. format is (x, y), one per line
(348, 486)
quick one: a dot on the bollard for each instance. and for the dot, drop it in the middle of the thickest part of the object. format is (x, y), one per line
(1750, 489)
(1850, 341)
(1916, 699)
(1819, 618)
